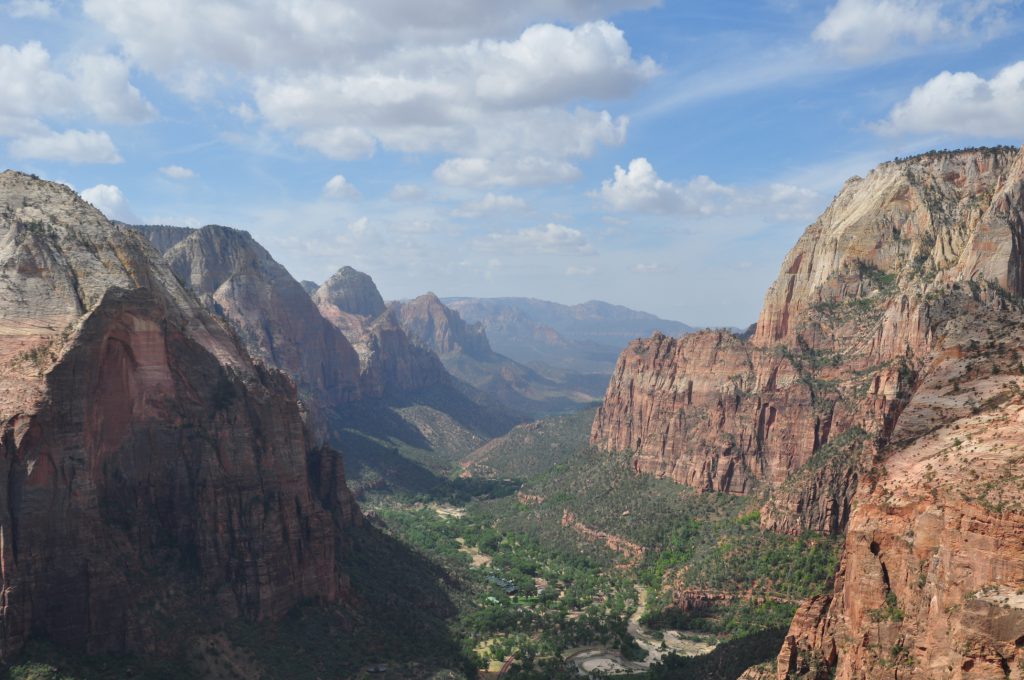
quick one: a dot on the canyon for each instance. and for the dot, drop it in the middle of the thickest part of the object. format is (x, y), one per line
(878, 396)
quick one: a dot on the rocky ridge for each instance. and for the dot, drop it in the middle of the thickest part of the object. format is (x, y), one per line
(880, 394)
(816, 391)
(270, 312)
(933, 566)
(390, 362)
(149, 463)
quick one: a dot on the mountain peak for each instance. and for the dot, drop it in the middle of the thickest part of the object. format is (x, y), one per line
(352, 292)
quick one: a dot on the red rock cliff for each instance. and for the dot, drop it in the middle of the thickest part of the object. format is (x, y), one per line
(802, 407)
(146, 460)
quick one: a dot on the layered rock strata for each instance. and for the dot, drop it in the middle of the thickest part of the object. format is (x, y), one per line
(801, 408)
(933, 568)
(147, 461)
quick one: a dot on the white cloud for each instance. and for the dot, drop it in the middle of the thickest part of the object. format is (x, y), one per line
(406, 192)
(96, 87)
(863, 30)
(550, 64)
(104, 89)
(244, 111)
(30, 9)
(490, 203)
(193, 44)
(963, 103)
(109, 200)
(508, 170)
(349, 78)
(339, 187)
(548, 239)
(72, 146)
(638, 188)
(573, 270)
(177, 172)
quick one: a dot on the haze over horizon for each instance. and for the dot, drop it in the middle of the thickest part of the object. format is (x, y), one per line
(631, 151)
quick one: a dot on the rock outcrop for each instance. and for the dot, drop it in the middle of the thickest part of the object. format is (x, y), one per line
(465, 351)
(270, 311)
(147, 461)
(801, 408)
(391, 364)
(933, 568)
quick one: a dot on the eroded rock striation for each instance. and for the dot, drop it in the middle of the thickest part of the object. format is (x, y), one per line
(148, 462)
(883, 393)
(801, 407)
(933, 569)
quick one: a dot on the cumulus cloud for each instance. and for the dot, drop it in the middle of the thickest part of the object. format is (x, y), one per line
(339, 187)
(177, 172)
(109, 200)
(72, 146)
(639, 188)
(192, 43)
(488, 204)
(963, 103)
(548, 239)
(350, 78)
(95, 87)
(861, 30)
(789, 201)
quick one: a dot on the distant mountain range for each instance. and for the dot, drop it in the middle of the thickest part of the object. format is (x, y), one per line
(585, 338)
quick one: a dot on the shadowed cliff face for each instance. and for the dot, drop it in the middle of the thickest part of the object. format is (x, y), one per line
(147, 462)
(391, 364)
(270, 311)
(801, 407)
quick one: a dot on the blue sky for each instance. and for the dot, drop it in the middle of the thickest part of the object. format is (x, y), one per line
(662, 155)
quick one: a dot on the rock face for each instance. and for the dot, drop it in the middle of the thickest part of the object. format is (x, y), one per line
(466, 353)
(147, 461)
(805, 404)
(441, 329)
(933, 569)
(351, 292)
(390, 363)
(270, 311)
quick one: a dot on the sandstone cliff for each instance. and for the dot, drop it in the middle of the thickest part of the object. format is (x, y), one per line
(147, 461)
(801, 408)
(933, 566)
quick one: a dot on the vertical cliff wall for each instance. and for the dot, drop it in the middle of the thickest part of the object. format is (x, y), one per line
(147, 462)
(800, 409)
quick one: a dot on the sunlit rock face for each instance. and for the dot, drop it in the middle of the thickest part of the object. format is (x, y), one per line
(801, 408)
(150, 465)
(896, 322)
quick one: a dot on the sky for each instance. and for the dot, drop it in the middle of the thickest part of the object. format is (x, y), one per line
(663, 155)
